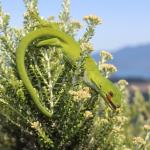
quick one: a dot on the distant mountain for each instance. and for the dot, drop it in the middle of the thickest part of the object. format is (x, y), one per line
(132, 62)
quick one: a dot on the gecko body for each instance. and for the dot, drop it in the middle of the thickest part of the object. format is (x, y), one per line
(72, 51)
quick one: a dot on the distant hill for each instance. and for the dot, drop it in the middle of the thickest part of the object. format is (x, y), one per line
(132, 62)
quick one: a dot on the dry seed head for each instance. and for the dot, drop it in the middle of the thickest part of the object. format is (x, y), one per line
(147, 127)
(81, 94)
(126, 149)
(93, 19)
(87, 46)
(88, 114)
(122, 83)
(121, 119)
(139, 141)
(102, 121)
(116, 130)
(35, 124)
(105, 56)
(77, 24)
(107, 68)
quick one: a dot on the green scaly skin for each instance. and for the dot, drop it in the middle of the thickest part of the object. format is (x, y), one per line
(72, 51)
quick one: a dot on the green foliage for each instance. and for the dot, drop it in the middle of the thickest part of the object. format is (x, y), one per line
(81, 120)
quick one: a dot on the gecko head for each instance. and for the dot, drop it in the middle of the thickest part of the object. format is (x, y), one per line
(113, 98)
(108, 91)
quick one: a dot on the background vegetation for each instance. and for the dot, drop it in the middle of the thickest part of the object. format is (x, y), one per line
(81, 120)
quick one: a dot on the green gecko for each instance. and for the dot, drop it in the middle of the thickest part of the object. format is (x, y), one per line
(72, 51)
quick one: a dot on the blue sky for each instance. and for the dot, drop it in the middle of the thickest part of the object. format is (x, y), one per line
(125, 22)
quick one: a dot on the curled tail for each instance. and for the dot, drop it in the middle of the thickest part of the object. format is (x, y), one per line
(20, 58)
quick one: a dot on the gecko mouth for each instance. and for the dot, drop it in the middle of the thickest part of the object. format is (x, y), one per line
(110, 103)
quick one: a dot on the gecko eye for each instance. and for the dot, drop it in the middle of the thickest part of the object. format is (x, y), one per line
(111, 94)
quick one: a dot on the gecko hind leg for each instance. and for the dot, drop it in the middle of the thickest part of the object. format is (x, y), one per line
(50, 42)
